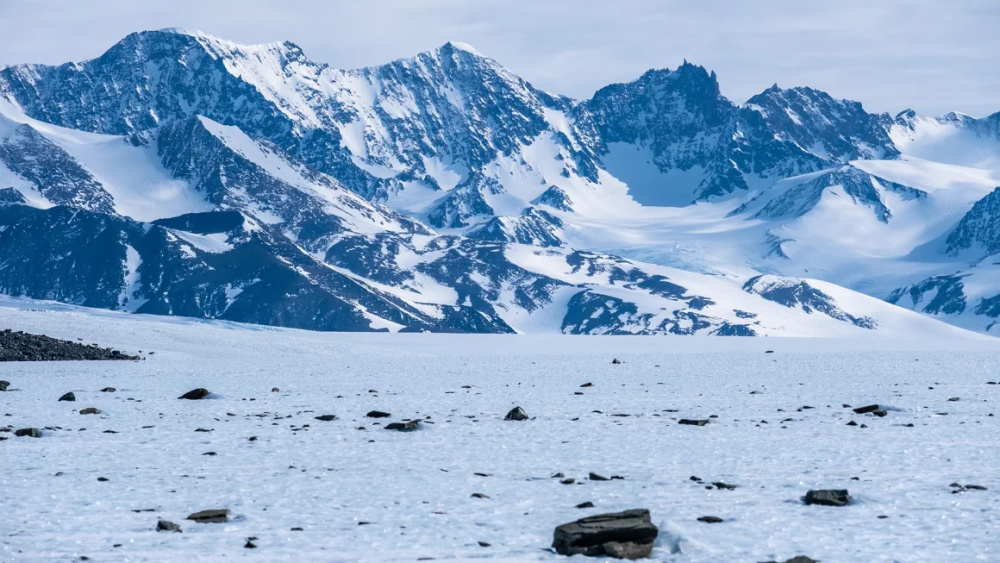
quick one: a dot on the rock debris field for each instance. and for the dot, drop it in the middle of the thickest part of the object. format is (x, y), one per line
(288, 455)
(17, 346)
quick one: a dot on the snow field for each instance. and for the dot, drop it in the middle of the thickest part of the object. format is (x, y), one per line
(413, 489)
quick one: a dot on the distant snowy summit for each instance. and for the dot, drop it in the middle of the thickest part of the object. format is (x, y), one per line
(183, 174)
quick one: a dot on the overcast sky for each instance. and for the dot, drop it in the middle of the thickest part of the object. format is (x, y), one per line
(932, 55)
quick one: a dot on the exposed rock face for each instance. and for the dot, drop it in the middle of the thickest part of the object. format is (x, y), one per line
(68, 397)
(29, 432)
(623, 535)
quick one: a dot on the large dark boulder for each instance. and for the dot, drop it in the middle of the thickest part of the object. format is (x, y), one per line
(624, 535)
(516, 413)
(167, 526)
(828, 497)
(195, 394)
(18, 346)
(408, 426)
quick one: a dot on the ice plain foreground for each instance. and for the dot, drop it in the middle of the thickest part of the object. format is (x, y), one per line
(376, 495)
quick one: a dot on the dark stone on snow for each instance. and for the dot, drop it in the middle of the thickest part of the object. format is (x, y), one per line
(692, 422)
(616, 361)
(403, 426)
(90, 410)
(724, 486)
(326, 417)
(23, 347)
(866, 409)
(588, 384)
(167, 526)
(587, 504)
(597, 477)
(711, 519)
(29, 432)
(4, 385)
(217, 516)
(68, 397)
(623, 535)
(516, 413)
(195, 394)
(880, 413)
(479, 495)
(250, 544)
(108, 390)
(828, 497)
(378, 414)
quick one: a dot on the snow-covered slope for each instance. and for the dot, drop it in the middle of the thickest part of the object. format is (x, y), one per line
(443, 192)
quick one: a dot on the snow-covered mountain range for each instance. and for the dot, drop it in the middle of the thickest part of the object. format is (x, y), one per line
(182, 174)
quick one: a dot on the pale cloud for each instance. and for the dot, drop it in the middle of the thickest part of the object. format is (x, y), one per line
(890, 54)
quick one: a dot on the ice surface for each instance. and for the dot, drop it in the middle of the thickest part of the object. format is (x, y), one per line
(414, 488)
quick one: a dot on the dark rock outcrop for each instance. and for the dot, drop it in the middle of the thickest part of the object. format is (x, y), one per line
(18, 346)
(828, 497)
(623, 535)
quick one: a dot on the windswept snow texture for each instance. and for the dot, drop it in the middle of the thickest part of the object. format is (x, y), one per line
(361, 493)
